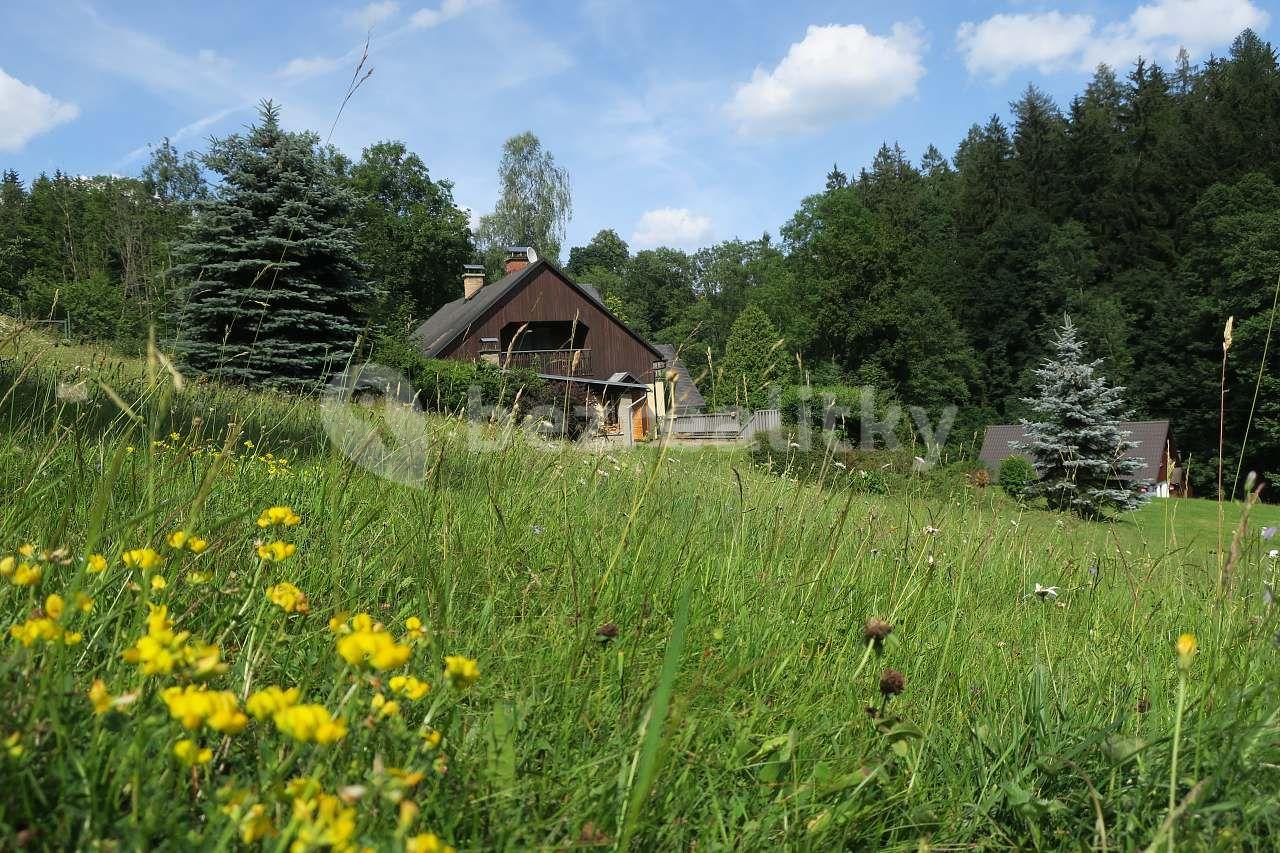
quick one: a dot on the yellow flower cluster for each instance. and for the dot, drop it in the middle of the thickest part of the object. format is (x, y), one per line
(180, 539)
(162, 650)
(191, 753)
(323, 821)
(288, 598)
(45, 628)
(426, 842)
(21, 570)
(368, 644)
(283, 516)
(461, 672)
(142, 558)
(252, 819)
(271, 700)
(194, 706)
(309, 723)
(277, 551)
(409, 687)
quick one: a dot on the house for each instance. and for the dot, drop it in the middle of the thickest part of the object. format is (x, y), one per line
(1155, 448)
(537, 317)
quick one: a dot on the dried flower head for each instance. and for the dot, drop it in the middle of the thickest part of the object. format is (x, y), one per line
(892, 682)
(607, 631)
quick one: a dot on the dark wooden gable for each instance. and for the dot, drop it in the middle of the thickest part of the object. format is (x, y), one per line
(548, 296)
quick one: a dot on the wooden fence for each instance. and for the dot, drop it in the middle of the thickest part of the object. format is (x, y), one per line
(725, 426)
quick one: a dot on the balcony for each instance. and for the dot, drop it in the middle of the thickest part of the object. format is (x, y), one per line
(556, 362)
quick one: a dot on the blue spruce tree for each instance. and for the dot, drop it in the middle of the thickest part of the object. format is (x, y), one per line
(271, 291)
(1077, 443)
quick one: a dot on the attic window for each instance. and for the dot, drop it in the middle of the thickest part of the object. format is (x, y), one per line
(488, 345)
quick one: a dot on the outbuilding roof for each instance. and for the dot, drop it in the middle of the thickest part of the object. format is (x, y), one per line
(687, 395)
(1153, 437)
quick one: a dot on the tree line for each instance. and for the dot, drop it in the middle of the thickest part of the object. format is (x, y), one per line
(1147, 209)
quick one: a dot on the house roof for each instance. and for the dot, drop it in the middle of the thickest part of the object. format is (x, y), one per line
(1153, 438)
(687, 395)
(456, 318)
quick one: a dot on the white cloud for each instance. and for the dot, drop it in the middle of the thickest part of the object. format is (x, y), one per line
(449, 9)
(368, 17)
(1198, 24)
(26, 112)
(1052, 41)
(1048, 41)
(671, 226)
(310, 66)
(836, 72)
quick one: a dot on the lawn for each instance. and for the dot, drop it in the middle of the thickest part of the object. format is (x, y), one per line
(646, 650)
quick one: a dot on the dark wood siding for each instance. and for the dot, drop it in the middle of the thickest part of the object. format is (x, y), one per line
(549, 298)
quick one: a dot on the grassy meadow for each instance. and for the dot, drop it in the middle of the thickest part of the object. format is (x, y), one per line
(550, 648)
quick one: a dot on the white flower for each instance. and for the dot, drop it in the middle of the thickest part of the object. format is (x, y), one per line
(1273, 553)
(1043, 592)
(931, 530)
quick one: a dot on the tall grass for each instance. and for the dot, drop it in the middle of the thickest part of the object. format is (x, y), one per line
(738, 704)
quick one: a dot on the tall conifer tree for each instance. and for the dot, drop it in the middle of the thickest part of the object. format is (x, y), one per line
(1077, 443)
(272, 289)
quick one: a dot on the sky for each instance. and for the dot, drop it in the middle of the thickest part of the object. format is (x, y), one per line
(680, 123)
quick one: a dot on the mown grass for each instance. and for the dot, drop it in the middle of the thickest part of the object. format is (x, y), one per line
(738, 706)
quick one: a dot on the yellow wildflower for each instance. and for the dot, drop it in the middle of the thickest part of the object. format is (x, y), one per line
(27, 550)
(282, 515)
(431, 739)
(309, 723)
(160, 651)
(426, 842)
(84, 603)
(338, 623)
(99, 697)
(158, 582)
(54, 605)
(414, 630)
(142, 558)
(196, 545)
(266, 702)
(27, 574)
(384, 706)
(409, 687)
(191, 753)
(39, 629)
(7, 565)
(13, 745)
(256, 824)
(177, 538)
(97, 564)
(323, 821)
(275, 552)
(288, 598)
(194, 706)
(1186, 648)
(199, 577)
(461, 672)
(370, 645)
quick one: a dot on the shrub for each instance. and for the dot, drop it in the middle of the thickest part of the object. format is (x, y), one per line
(444, 386)
(1016, 477)
(838, 408)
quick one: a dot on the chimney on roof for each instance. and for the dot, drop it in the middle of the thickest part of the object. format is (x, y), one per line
(519, 257)
(472, 279)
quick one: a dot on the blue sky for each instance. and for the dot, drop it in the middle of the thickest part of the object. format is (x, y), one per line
(681, 123)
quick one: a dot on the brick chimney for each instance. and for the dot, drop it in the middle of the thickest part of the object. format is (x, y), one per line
(472, 279)
(519, 257)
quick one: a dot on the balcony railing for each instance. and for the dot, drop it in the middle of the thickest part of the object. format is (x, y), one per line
(557, 362)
